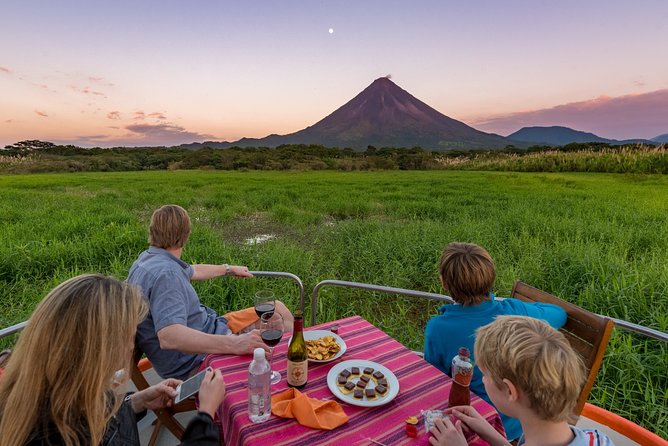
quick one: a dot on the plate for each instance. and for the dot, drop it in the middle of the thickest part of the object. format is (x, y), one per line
(392, 382)
(312, 335)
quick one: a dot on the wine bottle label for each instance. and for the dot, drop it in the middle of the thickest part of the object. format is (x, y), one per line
(297, 373)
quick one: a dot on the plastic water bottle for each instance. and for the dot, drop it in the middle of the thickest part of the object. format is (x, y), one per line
(259, 387)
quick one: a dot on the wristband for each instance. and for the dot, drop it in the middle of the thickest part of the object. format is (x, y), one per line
(228, 270)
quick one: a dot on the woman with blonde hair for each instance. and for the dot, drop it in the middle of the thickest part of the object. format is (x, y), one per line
(58, 386)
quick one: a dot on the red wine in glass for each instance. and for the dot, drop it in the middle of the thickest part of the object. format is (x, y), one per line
(264, 308)
(271, 337)
(271, 332)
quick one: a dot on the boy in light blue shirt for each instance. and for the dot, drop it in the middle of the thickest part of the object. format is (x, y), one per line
(467, 273)
(532, 373)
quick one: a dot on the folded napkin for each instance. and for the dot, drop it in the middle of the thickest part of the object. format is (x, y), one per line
(308, 412)
(238, 320)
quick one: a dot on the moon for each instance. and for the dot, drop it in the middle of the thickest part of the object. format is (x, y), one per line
(331, 30)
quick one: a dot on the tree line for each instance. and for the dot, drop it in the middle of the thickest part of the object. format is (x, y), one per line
(38, 156)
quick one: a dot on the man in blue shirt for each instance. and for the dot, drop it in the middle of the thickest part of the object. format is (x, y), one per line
(179, 330)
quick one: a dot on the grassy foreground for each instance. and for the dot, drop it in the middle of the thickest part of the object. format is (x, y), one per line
(597, 240)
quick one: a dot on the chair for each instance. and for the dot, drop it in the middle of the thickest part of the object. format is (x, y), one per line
(588, 333)
(165, 417)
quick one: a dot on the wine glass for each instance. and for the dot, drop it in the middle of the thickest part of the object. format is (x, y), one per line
(264, 302)
(271, 332)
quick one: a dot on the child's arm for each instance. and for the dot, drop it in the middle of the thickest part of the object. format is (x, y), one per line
(475, 422)
(552, 314)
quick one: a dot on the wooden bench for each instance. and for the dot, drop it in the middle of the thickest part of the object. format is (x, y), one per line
(588, 333)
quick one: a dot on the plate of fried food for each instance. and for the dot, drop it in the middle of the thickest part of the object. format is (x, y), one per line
(323, 345)
(362, 383)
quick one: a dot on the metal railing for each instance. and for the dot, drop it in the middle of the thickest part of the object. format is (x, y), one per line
(20, 326)
(625, 325)
(370, 287)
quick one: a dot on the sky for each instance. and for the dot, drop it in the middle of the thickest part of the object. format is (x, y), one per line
(150, 73)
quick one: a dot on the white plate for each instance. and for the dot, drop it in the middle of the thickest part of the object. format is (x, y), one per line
(312, 335)
(392, 383)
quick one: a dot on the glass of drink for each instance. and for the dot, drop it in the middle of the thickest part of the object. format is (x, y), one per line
(264, 302)
(271, 331)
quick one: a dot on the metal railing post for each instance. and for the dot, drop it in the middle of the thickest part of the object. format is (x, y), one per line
(296, 279)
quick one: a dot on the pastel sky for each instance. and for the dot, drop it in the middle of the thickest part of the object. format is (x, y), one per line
(169, 72)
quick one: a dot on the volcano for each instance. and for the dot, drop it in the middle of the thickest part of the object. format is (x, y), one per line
(383, 115)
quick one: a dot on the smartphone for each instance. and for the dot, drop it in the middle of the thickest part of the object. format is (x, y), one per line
(190, 387)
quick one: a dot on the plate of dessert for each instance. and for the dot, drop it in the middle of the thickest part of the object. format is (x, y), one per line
(362, 383)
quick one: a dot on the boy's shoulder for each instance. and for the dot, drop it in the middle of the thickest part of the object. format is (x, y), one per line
(589, 437)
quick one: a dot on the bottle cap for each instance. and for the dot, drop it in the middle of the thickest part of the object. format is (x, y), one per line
(463, 351)
(258, 354)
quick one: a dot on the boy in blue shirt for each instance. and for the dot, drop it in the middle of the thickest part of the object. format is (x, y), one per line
(467, 273)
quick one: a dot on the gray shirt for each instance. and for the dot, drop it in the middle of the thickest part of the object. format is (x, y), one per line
(165, 284)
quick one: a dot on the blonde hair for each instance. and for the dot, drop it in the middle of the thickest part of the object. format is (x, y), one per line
(62, 368)
(537, 359)
(169, 228)
(467, 272)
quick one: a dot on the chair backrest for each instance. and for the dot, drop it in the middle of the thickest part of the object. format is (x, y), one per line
(588, 333)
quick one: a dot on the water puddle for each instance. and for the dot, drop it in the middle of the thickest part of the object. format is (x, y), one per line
(261, 238)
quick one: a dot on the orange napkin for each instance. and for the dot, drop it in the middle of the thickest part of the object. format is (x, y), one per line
(308, 412)
(238, 320)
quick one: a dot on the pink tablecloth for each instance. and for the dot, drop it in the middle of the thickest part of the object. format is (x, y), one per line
(422, 387)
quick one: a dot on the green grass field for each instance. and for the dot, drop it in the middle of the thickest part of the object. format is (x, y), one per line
(597, 240)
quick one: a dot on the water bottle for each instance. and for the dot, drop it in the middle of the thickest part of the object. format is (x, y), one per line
(259, 387)
(462, 372)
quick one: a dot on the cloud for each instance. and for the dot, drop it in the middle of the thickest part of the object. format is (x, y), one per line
(100, 80)
(158, 116)
(166, 134)
(42, 113)
(139, 116)
(87, 90)
(141, 135)
(5, 70)
(8, 121)
(624, 117)
(114, 115)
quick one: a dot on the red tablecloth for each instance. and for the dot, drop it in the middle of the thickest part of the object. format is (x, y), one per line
(422, 387)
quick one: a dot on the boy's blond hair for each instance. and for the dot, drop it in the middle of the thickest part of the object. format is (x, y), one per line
(169, 228)
(468, 273)
(537, 359)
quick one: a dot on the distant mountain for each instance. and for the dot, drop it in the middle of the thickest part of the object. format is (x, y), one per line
(382, 115)
(661, 138)
(560, 136)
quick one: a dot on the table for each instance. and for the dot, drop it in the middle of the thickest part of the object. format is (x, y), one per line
(422, 387)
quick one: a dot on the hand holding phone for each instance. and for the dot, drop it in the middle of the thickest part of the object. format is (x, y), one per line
(212, 392)
(191, 386)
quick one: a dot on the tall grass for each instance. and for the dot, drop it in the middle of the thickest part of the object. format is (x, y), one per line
(597, 240)
(625, 159)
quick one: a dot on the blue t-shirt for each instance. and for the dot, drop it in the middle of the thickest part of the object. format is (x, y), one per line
(456, 325)
(165, 284)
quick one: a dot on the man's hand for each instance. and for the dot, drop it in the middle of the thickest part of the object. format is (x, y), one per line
(240, 271)
(158, 396)
(211, 392)
(244, 344)
(444, 433)
(475, 422)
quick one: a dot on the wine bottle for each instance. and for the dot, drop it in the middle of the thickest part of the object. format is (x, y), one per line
(297, 355)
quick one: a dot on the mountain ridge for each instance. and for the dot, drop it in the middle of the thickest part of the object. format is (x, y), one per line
(559, 135)
(382, 115)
